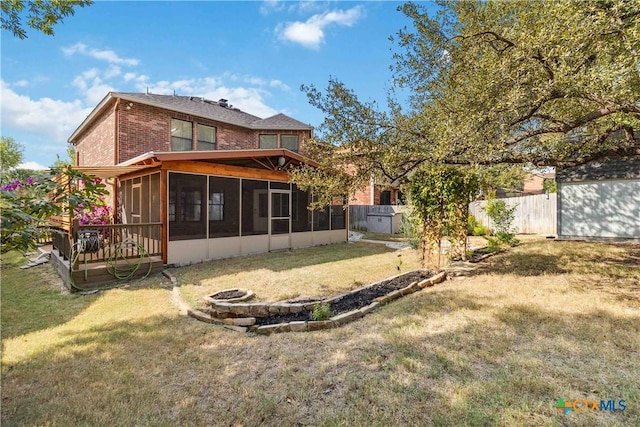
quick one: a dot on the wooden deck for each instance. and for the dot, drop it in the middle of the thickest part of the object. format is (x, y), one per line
(99, 274)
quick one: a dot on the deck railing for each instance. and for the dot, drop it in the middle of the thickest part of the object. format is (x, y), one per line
(101, 243)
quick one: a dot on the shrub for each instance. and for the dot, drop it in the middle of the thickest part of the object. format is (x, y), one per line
(502, 216)
(475, 228)
(321, 312)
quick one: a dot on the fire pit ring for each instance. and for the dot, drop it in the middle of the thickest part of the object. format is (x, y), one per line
(231, 295)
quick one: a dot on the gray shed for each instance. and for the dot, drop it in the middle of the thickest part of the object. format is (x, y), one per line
(600, 200)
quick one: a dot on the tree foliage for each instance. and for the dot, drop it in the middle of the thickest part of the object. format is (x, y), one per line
(495, 83)
(10, 153)
(25, 205)
(41, 15)
(505, 82)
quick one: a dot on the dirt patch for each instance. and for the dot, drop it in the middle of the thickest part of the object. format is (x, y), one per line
(353, 300)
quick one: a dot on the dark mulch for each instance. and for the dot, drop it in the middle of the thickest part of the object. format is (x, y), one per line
(355, 300)
(228, 294)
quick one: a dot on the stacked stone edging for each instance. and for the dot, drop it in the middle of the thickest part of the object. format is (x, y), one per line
(349, 316)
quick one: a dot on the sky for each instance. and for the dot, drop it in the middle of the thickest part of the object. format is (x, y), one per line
(256, 54)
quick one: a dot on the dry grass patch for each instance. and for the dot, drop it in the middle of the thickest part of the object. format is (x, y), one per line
(495, 348)
(319, 271)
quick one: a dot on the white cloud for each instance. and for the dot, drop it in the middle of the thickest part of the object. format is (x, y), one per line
(278, 84)
(48, 118)
(103, 55)
(32, 166)
(310, 33)
(269, 6)
(112, 71)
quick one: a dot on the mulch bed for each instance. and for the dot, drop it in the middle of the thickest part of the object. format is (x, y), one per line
(355, 300)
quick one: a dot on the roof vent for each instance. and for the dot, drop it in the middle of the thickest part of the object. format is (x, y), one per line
(223, 102)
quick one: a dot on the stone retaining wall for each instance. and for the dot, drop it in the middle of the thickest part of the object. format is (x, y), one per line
(243, 315)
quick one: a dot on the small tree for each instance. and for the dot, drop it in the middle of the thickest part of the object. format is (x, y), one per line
(439, 202)
(502, 217)
(10, 153)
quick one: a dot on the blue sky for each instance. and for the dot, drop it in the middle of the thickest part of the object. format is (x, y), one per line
(255, 54)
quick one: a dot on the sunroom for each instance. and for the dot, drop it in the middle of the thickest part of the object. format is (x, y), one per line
(221, 204)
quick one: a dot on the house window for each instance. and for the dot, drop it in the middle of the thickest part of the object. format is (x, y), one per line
(385, 197)
(290, 142)
(268, 141)
(206, 138)
(181, 135)
(216, 207)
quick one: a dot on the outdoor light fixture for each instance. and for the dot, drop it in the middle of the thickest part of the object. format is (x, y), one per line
(281, 161)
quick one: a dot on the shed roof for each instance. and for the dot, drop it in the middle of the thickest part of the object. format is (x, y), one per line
(598, 170)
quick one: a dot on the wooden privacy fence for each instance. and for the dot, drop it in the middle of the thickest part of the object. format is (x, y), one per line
(534, 214)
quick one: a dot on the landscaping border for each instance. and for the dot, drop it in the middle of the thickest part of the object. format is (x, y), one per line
(241, 317)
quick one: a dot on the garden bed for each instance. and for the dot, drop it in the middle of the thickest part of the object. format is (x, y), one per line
(297, 315)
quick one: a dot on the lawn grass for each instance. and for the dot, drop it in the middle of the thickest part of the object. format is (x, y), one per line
(312, 272)
(498, 347)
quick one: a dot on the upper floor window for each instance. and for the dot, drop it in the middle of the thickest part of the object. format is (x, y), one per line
(206, 138)
(290, 142)
(268, 141)
(181, 135)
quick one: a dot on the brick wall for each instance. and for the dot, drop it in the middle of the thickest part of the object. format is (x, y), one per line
(96, 145)
(143, 128)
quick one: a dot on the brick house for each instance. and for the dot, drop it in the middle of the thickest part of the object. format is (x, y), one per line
(210, 179)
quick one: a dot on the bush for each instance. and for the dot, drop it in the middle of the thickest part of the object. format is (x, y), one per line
(475, 228)
(502, 216)
(321, 312)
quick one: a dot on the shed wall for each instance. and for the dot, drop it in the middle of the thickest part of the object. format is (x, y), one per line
(599, 209)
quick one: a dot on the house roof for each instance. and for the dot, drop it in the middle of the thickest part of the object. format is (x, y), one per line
(608, 168)
(197, 106)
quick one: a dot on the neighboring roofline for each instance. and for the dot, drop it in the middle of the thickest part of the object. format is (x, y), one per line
(151, 102)
(218, 155)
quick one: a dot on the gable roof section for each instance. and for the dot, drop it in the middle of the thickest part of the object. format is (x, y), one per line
(598, 170)
(280, 121)
(199, 107)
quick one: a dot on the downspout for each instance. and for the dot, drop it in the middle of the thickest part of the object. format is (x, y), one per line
(116, 214)
(372, 191)
(115, 132)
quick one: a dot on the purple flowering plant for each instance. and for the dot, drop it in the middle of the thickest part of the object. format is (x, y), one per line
(27, 203)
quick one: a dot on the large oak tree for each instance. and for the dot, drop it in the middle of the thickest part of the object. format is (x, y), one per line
(494, 83)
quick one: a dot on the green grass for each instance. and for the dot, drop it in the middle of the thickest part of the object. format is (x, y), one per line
(497, 347)
(45, 302)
